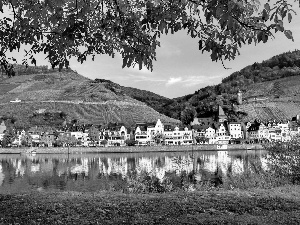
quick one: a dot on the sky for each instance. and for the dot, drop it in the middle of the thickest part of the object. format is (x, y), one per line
(181, 68)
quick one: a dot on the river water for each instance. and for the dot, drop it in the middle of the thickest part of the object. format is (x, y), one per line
(96, 172)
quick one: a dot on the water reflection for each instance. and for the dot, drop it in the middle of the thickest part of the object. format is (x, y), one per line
(93, 172)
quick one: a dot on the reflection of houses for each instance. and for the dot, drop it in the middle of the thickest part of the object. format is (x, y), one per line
(81, 168)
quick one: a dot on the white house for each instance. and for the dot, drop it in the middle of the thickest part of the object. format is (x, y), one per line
(210, 132)
(221, 131)
(235, 130)
(141, 136)
(179, 136)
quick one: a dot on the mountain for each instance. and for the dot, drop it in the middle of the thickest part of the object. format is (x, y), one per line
(270, 90)
(49, 95)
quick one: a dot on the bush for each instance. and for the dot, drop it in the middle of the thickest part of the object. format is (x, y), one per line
(284, 159)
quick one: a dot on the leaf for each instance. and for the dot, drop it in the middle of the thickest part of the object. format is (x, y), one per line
(125, 61)
(200, 45)
(267, 7)
(265, 15)
(289, 17)
(289, 34)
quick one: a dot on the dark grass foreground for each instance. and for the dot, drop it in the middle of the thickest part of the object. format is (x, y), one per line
(273, 206)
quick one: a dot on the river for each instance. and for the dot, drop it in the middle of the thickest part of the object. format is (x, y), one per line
(118, 171)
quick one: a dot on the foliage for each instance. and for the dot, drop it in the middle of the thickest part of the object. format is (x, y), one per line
(66, 140)
(158, 138)
(130, 142)
(26, 140)
(201, 139)
(93, 134)
(104, 142)
(284, 159)
(187, 115)
(62, 29)
(8, 138)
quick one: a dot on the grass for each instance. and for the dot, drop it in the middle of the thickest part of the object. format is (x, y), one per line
(256, 206)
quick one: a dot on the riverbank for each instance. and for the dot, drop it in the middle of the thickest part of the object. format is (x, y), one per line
(129, 149)
(257, 206)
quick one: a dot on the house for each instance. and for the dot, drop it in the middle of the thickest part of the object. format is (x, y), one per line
(210, 132)
(179, 136)
(141, 136)
(117, 136)
(2, 130)
(221, 129)
(235, 130)
(275, 134)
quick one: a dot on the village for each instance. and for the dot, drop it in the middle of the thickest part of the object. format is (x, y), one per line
(200, 131)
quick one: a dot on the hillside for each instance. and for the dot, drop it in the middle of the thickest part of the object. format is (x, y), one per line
(166, 106)
(271, 90)
(76, 96)
(272, 100)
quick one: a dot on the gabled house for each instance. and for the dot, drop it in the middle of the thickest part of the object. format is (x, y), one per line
(141, 136)
(235, 130)
(210, 132)
(221, 129)
(179, 136)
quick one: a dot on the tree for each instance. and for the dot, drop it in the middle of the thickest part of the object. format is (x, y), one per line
(26, 140)
(67, 28)
(94, 134)
(66, 140)
(187, 115)
(8, 138)
(130, 142)
(201, 139)
(104, 142)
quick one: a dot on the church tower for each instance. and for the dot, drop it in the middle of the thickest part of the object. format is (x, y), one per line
(239, 98)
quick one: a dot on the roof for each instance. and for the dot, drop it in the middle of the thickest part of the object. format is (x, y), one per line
(221, 111)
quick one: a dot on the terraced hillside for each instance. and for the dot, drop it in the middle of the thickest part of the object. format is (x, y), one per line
(77, 96)
(272, 100)
(280, 88)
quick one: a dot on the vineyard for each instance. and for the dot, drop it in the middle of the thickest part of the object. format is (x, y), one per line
(279, 111)
(289, 86)
(78, 97)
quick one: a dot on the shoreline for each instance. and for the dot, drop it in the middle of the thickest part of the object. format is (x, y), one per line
(130, 149)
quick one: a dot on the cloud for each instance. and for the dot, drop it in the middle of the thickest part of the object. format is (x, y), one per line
(143, 78)
(200, 80)
(190, 81)
(173, 80)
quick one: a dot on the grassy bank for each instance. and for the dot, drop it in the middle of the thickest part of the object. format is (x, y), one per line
(256, 206)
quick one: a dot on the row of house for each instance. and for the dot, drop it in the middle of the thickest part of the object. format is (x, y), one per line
(206, 129)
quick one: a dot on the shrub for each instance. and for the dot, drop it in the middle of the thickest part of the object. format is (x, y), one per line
(284, 159)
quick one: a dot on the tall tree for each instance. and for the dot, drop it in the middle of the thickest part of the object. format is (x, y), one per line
(187, 115)
(65, 28)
